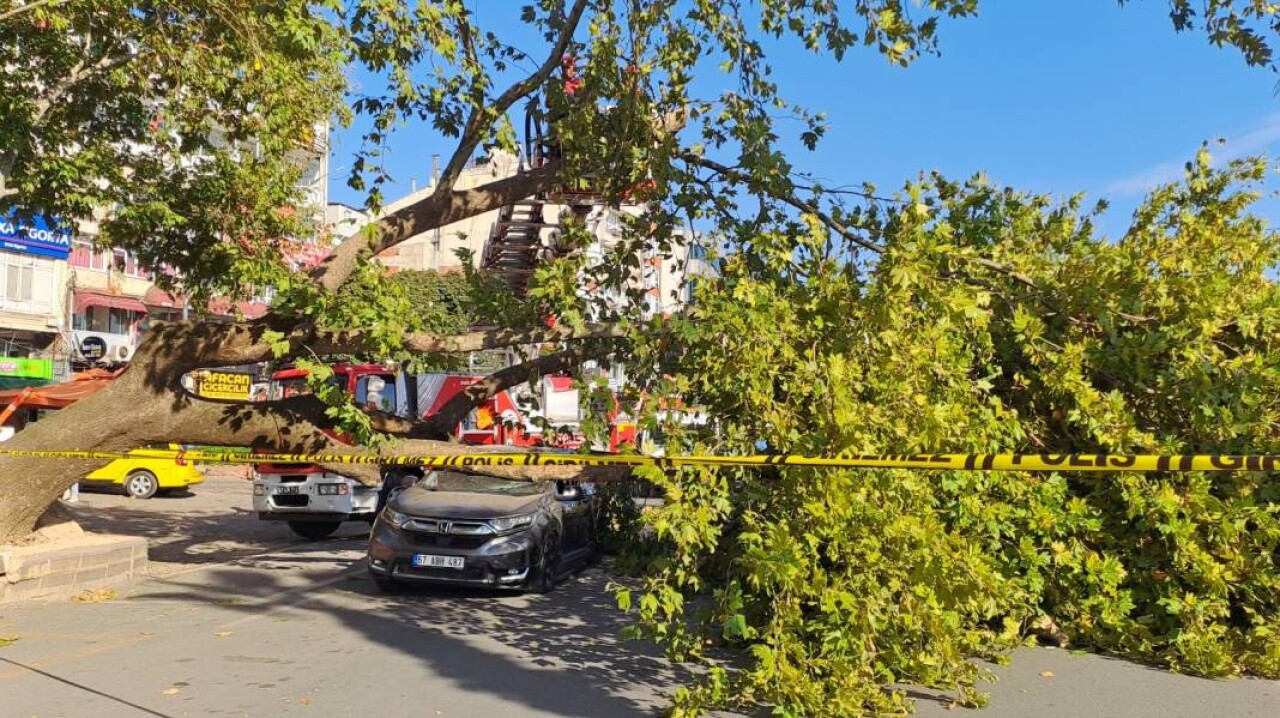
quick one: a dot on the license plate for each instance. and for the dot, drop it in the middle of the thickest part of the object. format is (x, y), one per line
(286, 490)
(422, 560)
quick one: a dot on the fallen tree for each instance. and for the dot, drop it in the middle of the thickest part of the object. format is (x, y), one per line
(956, 316)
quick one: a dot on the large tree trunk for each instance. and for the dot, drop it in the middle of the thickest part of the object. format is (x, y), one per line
(147, 405)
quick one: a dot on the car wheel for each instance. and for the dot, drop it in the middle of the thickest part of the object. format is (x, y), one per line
(542, 577)
(314, 530)
(141, 484)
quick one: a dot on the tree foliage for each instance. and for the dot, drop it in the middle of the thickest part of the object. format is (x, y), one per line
(839, 583)
(181, 124)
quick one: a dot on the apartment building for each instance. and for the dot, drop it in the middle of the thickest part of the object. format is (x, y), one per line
(33, 300)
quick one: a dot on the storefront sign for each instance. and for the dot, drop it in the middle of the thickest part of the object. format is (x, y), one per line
(223, 385)
(93, 348)
(26, 368)
(35, 236)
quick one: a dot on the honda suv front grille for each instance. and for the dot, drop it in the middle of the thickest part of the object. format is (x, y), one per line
(448, 527)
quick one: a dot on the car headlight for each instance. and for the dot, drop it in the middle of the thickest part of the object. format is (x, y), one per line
(511, 523)
(395, 518)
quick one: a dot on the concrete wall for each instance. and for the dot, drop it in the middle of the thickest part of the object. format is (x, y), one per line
(67, 567)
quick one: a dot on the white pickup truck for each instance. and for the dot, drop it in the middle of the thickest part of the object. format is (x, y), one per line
(313, 501)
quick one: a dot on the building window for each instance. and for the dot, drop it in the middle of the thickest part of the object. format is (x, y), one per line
(120, 321)
(84, 255)
(105, 320)
(17, 286)
(81, 254)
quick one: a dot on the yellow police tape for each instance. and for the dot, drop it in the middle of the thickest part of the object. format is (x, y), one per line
(1095, 463)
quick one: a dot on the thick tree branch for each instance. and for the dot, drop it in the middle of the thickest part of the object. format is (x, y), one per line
(483, 116)
(79, 73)
(353, 342)
(436, 210)
(172, 349)
(498, 338)
(446, 205)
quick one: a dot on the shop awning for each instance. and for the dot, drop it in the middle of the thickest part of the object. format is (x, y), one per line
(157, 297)
(85, 300)
(59, 396)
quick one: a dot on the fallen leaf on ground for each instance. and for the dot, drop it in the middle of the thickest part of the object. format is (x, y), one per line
(305, 700)
(232, 601)
(6, 640)
(170, 691)
(222, 634)
(99, 596)
(1046, 674)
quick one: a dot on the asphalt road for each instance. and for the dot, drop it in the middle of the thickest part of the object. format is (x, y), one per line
(242, 619)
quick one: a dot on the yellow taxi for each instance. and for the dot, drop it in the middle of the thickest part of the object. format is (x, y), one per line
(147, 472)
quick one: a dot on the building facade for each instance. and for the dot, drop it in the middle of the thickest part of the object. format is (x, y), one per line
(33, 300)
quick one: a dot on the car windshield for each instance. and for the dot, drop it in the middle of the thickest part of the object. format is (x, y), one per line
(454, 481)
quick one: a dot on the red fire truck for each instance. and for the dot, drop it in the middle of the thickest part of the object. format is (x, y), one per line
(315, 502)
(548, 415)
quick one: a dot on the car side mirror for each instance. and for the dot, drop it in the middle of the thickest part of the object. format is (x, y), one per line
(568, 492)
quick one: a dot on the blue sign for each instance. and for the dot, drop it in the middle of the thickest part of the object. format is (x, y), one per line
(36, 236)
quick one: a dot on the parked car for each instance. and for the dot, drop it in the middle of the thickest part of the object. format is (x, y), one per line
(453, 527)
(145, 476)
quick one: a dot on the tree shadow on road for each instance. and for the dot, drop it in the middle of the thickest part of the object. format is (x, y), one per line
(560, 653)
(197, 538)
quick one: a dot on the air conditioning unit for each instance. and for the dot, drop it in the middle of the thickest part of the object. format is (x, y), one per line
(102, 347)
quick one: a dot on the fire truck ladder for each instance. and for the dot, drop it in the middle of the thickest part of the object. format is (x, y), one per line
(522, 237)
(515, 243)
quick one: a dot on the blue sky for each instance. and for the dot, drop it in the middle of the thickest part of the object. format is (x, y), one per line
(1057, 97)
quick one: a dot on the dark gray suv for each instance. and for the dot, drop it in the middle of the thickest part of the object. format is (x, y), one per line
(452, 527)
